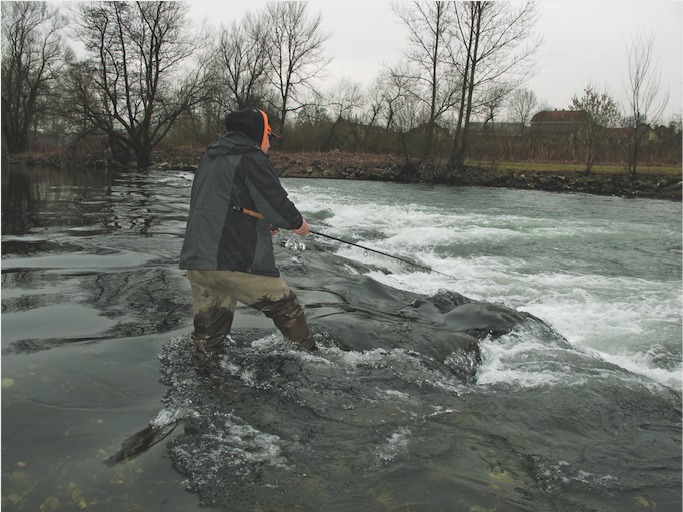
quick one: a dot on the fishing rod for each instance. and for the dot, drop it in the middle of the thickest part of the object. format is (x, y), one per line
(258, 215)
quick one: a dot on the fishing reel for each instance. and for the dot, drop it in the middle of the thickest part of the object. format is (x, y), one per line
(295, 244)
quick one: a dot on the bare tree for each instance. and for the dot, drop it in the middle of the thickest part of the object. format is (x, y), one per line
(375, 103)
(390, 96)
(491, 53)
(296, 55)
(395, 106)
(645, 101)
(242, 63)
(522, 103)
(345, 100)
(429, 38)
(491, 104)
(135, 85)
(602, 112)
(344, 103)
(31, 62)
(314, 111)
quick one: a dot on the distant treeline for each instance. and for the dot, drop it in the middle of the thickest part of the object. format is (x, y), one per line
(144, 77)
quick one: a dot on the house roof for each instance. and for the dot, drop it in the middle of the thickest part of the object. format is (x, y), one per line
(560, 117)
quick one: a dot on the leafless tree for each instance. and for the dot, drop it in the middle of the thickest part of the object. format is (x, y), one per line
(521, 105)
(491, 104)
(395, 107)
(345, 101)
(392, 101)
(495, 47)
(31, 62)
(375, 104)
(429, 37)
(135, 83)
(314, 111)
(241, 62)
(297, 54)
(602, 112)
(645, 100)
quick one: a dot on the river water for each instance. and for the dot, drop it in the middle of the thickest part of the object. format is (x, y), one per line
(569, 398)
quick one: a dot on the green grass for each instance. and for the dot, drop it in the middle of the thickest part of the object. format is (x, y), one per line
(571, 167)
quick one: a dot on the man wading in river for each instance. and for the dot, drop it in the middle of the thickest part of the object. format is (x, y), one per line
(228, 255)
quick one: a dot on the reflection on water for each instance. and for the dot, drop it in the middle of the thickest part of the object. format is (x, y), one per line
(34, 198)
(89, 268)
(383, 417)
(85, 238)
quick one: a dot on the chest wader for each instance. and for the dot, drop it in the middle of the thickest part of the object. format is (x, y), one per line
(215, 294)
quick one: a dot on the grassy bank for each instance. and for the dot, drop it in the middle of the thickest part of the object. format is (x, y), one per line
(558, 167)
(651, 181)
(659, 182)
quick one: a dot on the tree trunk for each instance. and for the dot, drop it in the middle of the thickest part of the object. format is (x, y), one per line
(457, 161)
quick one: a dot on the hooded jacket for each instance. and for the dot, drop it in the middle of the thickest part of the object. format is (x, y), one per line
(235, 172)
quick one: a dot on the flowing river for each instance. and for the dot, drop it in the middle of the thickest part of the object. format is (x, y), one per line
(536, 368)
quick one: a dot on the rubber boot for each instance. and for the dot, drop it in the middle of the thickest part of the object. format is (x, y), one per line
(289, 318)
(210, 328)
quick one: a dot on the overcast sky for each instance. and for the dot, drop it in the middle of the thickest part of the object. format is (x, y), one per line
(585, 42)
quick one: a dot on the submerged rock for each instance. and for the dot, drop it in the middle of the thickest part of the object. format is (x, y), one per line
(357, 313)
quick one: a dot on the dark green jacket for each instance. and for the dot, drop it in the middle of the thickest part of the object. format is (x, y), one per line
(235, 172)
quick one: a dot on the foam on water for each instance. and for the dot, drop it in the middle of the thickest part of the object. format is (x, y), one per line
(394, 446)
(519, 257)
(520, 359)
(610, 315)
(497, 369)
(646, 365)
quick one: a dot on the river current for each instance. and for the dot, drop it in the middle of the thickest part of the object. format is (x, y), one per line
(572, 403)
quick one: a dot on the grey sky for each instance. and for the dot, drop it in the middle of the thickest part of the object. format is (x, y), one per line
(585, 42)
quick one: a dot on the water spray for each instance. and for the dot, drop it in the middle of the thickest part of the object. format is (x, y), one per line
(258, 215)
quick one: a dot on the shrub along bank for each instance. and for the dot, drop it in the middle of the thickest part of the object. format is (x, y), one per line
(651, 182)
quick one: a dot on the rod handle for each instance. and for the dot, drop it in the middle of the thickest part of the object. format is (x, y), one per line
(247, 211)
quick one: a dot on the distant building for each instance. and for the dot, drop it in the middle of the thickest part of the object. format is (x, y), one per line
(621, 135)
(558, 121)
(500, 127)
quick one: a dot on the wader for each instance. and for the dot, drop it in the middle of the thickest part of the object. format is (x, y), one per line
(215, 294)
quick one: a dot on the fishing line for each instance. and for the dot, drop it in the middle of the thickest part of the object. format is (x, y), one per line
(258, 215)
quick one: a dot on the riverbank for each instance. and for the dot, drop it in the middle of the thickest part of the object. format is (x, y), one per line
(385, 168)
(338, 165)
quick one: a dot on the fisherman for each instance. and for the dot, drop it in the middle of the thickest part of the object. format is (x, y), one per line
(229, 255)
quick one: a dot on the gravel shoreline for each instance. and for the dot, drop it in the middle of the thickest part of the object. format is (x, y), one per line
(356, 166)
(384, 168)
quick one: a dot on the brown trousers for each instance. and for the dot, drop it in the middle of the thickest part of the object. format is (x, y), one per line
(215, 294)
